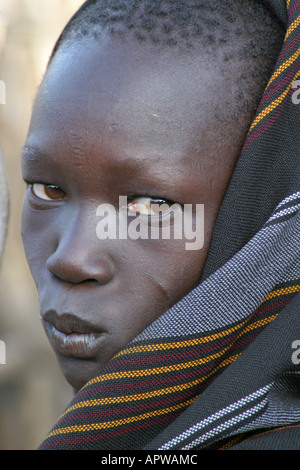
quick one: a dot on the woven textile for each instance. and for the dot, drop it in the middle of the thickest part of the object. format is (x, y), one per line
(220, 370)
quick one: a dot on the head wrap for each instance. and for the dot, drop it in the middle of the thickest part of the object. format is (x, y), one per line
(221, 369)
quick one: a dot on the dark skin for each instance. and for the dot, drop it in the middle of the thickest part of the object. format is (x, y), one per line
(121, 119)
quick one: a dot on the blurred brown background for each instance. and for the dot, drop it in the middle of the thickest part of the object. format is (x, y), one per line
(33, 392)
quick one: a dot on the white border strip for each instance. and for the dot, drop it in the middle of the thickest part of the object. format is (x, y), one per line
(215, 416)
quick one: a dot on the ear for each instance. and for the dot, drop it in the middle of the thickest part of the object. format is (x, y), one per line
(4, 202)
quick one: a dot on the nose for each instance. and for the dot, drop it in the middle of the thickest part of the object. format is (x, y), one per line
(79, 255)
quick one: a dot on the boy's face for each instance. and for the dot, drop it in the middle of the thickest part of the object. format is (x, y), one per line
(116, 120)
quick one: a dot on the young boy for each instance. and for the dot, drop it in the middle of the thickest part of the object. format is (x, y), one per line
(149, 102)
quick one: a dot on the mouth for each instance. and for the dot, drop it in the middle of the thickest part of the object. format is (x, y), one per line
(71, 336)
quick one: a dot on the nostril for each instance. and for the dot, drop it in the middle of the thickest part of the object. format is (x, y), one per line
(80, 269)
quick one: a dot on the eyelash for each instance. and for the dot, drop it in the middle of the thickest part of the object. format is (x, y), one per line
(155, 205)
(141, 203)
(38, 188)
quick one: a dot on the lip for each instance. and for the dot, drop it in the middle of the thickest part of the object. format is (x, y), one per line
(71, 336)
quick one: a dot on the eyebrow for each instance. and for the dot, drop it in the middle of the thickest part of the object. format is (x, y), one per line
(155, 166)
(34, 154)
(35, 157)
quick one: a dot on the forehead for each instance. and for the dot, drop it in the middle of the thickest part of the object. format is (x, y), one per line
(133, 89)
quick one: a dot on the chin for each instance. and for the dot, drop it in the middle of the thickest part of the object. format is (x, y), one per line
(77, 372)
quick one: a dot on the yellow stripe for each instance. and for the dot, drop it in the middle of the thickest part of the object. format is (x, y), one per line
(288, 3)
(146, 372)
(283, 291)
(273, 105)
(277, 72)
(205, 339)
(230, 443)
(292, 27)
(109, 424)
(96, 426)
(284, 66)
(182, 366)
(291, 59)
(154, 393)
(260, 323)
(144, 396)
(159, 370)
(180, 344)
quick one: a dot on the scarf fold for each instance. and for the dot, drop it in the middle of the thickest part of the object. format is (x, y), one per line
(220, 369)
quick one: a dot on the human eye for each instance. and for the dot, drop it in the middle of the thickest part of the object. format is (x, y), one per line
(148, 206)
(47, 192)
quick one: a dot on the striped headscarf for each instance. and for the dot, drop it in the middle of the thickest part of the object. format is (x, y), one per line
(221, 369)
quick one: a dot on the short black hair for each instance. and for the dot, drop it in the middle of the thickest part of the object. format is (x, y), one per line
(181, 23)
(193, 25)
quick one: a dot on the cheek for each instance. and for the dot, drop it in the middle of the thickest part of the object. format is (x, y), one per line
(170, 272)
(37, 238)
(188, 272)
(182, 261)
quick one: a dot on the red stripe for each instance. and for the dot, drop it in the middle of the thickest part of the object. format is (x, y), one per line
(276, 88)
(266, 126)
(188, 353)
(115, 386)
(54, 441)
(293, 8)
